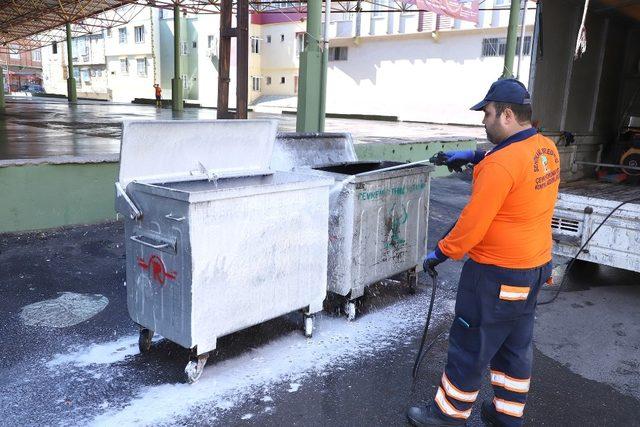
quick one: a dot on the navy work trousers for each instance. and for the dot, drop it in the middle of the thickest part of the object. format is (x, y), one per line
(493, 326)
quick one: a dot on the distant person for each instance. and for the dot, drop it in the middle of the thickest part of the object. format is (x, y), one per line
(158, 95)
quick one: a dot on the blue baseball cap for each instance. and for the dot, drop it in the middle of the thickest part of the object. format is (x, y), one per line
(505, 90)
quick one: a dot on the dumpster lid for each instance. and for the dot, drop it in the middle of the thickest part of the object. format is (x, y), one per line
(181, 150)
(293, 150)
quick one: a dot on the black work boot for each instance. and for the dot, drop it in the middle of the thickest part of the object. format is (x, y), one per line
(429, 416)
(488, 414)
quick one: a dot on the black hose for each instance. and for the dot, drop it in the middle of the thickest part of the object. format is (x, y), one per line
(423, 351)
(573, 260)
(434, 278)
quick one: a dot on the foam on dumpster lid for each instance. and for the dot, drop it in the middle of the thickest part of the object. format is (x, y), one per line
(174, 150)
(293, 150)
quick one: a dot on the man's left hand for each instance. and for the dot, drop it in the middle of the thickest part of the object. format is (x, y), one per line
(430, 261)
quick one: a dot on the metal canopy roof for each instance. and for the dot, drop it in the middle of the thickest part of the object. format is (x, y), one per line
(28, 24)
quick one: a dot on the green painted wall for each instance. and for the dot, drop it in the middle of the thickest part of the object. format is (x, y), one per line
(412, 152)
(51, 195)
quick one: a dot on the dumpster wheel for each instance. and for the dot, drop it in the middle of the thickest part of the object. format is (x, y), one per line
(350, 310)
(195, 367)
(412, 280)
(308, 325)
(144, 340)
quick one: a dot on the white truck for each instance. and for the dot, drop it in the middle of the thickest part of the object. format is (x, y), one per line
(591, 107)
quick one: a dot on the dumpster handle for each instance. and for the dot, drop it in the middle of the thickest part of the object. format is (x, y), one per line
(174, 218)
(162, 245)
(135, 212)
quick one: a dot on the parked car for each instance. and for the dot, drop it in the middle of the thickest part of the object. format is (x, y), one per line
(32, 88)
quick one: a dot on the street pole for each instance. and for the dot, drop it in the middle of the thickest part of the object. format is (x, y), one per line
(72, 96)
(2, 104)
(308, 116)
(242, 58)
(512, 37)
(325, 65)
(176, 82)
(522, 26)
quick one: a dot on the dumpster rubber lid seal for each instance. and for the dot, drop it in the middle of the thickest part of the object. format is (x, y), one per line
(155, 151)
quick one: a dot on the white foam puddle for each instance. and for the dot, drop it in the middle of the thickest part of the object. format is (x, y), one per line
(290, 359)
(66, 310)
(100, 354)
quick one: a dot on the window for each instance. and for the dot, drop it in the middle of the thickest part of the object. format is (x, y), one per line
(281, 37)
(495, 46)
(268, 80)
(183, 48)
(124, 66)
(255, 45)
(338, 53)
(490, 47)
(282, 80)
(255, 83)
(211, 42)
(299, 43)
(122, 35)
(194, 44)
(377, 8)
(54, 48)
(526, 50)
(139, 33)
(109, 32)
(142, 66)
(268, 39)
(36, 55)
(14, 53)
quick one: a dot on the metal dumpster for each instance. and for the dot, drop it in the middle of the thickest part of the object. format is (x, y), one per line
(215, 241)
(377, 220)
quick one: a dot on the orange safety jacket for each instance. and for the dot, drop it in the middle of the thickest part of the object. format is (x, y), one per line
(158, 91)
(507, 221)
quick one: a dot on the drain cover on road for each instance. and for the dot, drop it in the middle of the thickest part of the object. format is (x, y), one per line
(67, 310)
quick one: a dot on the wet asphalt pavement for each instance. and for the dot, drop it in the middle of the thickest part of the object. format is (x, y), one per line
(32, 128)
(349, 374)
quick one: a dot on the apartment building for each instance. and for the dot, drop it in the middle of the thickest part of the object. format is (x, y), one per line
(414, 65)
(89, 67)
(117, 64)
(132, 56)
(20, 68)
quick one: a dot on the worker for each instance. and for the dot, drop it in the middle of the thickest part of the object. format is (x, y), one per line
(158, 95)
(505, 229)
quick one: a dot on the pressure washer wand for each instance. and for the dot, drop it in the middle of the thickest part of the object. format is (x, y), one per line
(390, 168)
